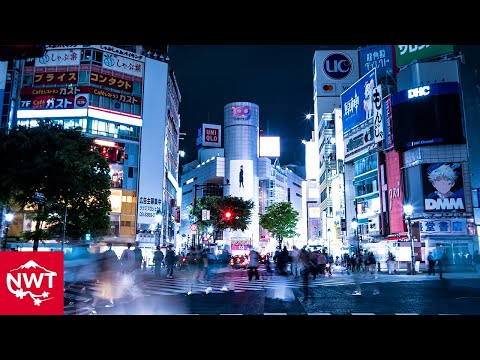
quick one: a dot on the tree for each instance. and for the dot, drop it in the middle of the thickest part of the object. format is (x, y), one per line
(240, 213)
(280, 220)
(47, 168)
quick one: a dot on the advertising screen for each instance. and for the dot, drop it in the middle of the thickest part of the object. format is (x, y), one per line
(269, 146)
(427, 115)
(241, 179)
(357, 101)
(443, 187)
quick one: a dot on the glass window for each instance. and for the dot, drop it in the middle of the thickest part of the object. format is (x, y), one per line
(97, 57)
(27, 80)
(94, 100)
(86, 56)
(137, 88)
(84, 77)
(136, 109)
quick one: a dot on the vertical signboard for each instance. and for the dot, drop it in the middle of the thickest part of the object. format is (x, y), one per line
(378, 114)
(394, 191)
(388, 123)
(3, 79)
(357, 101)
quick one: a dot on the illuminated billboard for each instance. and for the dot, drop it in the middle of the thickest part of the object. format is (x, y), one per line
(405, 54)
(335, 71)
(269, 146)
(209, 135)
(379, 57)
(425, 115)
(241, 179)
(443, 187)
(357, 101)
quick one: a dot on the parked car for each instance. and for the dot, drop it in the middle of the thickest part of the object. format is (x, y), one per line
(239, 262)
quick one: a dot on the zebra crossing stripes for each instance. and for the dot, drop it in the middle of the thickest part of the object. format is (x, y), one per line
(363, 313)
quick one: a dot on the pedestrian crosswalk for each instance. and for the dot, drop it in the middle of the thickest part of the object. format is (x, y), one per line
(78, 299)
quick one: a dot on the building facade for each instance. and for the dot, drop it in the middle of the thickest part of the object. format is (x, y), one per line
(125, 98)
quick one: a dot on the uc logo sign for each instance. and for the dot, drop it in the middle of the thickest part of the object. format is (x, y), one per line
(242, 111)
(337, 66)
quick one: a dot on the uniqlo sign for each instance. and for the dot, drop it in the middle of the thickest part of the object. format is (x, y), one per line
(31, 283)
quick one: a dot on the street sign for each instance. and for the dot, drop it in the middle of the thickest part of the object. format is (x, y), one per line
(193, 228)
(205, 214)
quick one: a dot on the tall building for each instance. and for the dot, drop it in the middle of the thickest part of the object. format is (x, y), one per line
(334, 71)
(239, 169)
(126, 98)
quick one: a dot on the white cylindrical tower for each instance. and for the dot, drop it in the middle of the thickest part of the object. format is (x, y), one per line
(241, 131)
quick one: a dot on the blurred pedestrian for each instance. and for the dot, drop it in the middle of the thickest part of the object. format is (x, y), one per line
(109, 267)
(476, 260)
(170, 258)
(127, 259)
(305, 266)
(138, 256)
(431, 263)
(253, 265)
(294, 257)
(157, 261)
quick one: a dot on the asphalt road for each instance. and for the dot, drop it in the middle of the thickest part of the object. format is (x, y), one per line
(455, 294)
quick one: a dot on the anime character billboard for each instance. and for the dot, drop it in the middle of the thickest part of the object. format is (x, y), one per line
(443, 187)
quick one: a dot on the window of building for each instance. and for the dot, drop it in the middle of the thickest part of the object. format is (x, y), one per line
(137, 88)
(84, 77)
(86, 56)
(97, 57)
(27, 80)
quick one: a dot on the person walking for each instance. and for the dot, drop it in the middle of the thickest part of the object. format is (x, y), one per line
(170, 258)
(108, 271)
(305, 266)
(127, 259)
(476, 260)
(253, 265)
(158, 260)
(431, 263)
(138, 256)
(294, 257)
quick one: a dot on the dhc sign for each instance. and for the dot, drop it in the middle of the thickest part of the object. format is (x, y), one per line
(419, 91)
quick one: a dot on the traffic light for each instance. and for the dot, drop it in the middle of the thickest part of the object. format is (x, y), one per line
(227, 215)
(88, 236)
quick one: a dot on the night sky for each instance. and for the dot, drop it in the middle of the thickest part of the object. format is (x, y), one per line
(278, 78)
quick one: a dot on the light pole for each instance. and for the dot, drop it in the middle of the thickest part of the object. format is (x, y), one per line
(355, 226)
(158, 220)
(328, 236)
(8, 220)
(408, 210)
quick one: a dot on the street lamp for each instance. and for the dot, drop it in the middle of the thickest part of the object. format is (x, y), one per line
(328, 238)
(408, 210)
(355, 226)
(158, 220)
(8, 220)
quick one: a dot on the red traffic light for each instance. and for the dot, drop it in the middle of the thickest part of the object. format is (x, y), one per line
(228, 215)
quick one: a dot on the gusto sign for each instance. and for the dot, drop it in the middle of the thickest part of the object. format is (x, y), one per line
(31, 283)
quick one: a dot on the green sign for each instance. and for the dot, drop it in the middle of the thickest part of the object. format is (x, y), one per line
(405, 54)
